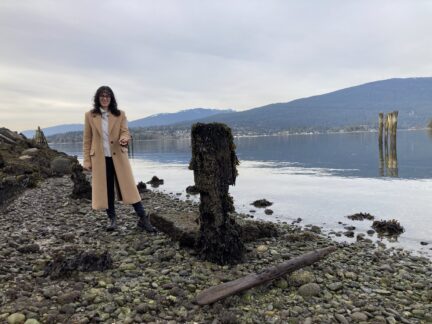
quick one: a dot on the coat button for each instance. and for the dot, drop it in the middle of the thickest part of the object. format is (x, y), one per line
(114, 153)
(112, 142)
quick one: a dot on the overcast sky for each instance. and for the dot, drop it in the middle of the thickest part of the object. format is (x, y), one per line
(170, 55)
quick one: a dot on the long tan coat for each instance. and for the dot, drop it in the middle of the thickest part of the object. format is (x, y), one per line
(94, 157)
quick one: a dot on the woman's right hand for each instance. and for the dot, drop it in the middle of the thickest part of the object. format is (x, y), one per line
(87, 167)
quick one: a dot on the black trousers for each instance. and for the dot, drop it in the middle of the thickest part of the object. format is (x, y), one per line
(111, 177)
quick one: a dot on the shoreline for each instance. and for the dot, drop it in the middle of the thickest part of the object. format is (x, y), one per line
(155, 280)
(264, 135)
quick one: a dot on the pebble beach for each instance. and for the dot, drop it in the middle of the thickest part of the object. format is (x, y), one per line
(155, 280)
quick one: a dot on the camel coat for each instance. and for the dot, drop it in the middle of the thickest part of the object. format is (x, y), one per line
(94, 157)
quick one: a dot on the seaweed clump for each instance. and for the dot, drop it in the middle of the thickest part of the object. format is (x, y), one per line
(361, 216)
(155, 182)
(63, 266)
(388, 228)
(261, 203)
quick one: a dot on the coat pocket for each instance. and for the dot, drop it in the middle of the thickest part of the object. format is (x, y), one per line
(92, 152)
(124, 149)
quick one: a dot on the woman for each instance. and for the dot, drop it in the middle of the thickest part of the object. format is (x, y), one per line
(105, 140)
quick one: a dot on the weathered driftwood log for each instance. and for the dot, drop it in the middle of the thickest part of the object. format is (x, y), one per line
(214, 163)
(226, 289)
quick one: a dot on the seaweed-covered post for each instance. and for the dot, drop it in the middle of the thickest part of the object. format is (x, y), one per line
(380, 143)
(393, 163)
(380, 127)
(386, 131)
(214, 163)
(394, 120)
(40, 138)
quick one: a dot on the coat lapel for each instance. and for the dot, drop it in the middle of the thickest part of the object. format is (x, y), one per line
(111, 122)
(97, 120)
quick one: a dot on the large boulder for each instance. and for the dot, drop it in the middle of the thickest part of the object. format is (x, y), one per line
(62, 165)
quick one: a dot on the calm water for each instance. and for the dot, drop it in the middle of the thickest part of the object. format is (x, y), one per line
(319, 178)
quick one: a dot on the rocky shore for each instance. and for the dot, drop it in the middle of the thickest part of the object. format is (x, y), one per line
(154, 279)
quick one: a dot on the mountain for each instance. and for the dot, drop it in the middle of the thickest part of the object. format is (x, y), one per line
(154, 120)
(56, 130)
(173, 118)
(350, 108)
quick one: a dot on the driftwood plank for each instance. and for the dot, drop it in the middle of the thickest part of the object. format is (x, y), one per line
(226, 289)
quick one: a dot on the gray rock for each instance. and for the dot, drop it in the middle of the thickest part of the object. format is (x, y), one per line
(25, 157)
(359, 317)
(309, 290)
(61, 165)
(341, 319)
(29, 248)
(32, 321)
(16, 318)
(315, 229)
(301, 277)
(30, 151)
(334, 286)
(49, 292)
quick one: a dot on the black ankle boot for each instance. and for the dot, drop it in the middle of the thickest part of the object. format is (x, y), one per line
(112, 224)
(144, 221)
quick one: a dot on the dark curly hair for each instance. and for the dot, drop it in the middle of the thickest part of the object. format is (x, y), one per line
(113, 104)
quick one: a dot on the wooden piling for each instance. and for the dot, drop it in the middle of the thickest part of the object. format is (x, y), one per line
(40, 138)
(214, 163)
(380, 143)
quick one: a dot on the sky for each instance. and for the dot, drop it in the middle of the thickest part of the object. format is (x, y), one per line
(169, 55)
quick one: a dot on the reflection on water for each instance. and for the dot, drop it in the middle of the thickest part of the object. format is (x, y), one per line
(347, 155)
(319, 178)
(388, 163)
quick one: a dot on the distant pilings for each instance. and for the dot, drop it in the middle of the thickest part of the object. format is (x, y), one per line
(40, 138)
(380, 143)
(388, 125)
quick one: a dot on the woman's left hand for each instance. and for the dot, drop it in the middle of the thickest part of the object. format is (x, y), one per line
(123, 141)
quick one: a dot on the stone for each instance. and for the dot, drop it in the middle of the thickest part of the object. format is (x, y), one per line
(32, 321)
(261, 203)
(309, 290)
(341, 319)
(359, 317)
(16, 318)
(262, 248)
(301, 277)
(25, 157)
(281, 283)
(61, 165)
(49, 292)
(315, 229)
(69, 297)
(127, 266)
(349, 234)
(29, 248)
(334, 286)
(30, 151)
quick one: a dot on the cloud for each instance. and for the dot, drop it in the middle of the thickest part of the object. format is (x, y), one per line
(169, 55)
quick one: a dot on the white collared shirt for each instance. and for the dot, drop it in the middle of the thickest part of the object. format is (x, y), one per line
(105, 132)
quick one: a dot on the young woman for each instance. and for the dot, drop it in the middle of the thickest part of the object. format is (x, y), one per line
(105, 140)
